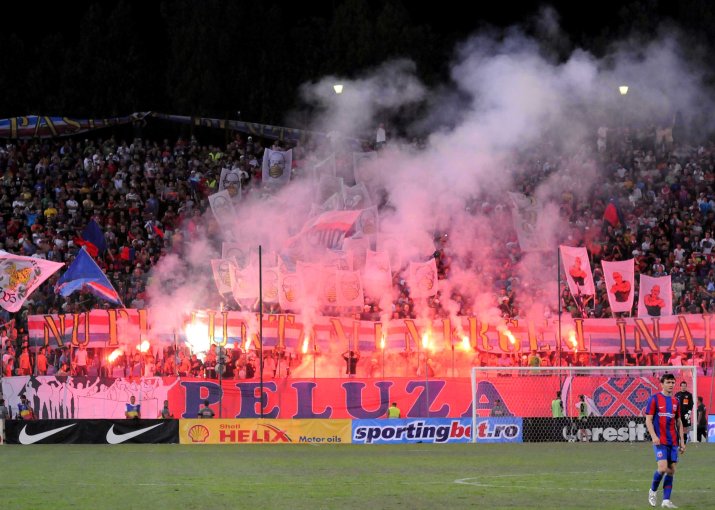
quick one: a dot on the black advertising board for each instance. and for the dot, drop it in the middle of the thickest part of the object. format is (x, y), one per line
(91, 431)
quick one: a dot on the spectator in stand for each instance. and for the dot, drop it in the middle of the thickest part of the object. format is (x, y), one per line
(133, 411)
(351, 360)
(41, 362)
(206, 411)
(81, 359)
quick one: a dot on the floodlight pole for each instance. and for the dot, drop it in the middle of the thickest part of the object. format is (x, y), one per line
(260, 324)
(558, 300)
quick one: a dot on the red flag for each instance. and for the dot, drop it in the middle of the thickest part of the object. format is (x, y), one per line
(611, 214)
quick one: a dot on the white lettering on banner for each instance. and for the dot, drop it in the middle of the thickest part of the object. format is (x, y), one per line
(498, 431)
(632, 432)
(682, 333)
(417, 430)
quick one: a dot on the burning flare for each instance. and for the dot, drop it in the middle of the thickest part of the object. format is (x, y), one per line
(197, 336)
(114, 355)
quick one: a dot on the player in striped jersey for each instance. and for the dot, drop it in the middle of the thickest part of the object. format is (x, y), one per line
(664, 422)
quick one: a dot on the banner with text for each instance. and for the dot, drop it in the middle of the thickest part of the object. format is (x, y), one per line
(110, 328)
(436, 430)
(324, 398)
(222, 431)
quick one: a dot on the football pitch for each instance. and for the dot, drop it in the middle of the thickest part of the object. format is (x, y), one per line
(295, 477)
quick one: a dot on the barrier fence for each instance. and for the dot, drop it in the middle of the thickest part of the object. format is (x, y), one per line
(329, 432)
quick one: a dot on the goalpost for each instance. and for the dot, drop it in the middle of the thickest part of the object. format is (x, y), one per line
(615, 398)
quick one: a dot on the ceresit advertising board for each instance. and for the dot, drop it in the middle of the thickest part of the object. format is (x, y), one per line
(437, 430)
(231, 431)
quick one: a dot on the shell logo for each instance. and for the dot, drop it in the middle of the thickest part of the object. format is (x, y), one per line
(198, 434)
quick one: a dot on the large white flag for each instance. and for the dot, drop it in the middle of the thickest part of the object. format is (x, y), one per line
(349, 292)
(391, 245)
(325, 167)
(222, 207)
(277, 167)
(20, 276)
(240, 253)
(328, 186)
(244, 283)
(356, 197)
(378, 276)
(423, 279)
(620, 279)
(328, 230)
(310, 276)
(290, 291)
(525, 214)
(655, 296)
(338, 259)
(328, 288)
(230, 180)
(578, 270)
(358, 247)
(222, 269)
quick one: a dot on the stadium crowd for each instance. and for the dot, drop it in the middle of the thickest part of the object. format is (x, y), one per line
(150, 199)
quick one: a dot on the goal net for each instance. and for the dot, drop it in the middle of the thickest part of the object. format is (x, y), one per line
(521, 404)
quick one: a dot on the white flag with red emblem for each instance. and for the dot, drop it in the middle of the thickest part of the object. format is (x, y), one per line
(620, 278)
(655, 296)
(578, 270)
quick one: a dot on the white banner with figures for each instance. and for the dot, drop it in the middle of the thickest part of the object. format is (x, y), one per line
(620, 283)
(578, 270)
(655, 296)
(276, 167)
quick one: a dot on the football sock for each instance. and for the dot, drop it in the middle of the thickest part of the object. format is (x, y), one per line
(667, 486)
(657, 477)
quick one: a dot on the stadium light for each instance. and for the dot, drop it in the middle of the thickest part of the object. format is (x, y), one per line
(338, 88)
(623, 89)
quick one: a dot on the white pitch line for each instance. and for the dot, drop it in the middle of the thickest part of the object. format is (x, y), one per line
(474, 483)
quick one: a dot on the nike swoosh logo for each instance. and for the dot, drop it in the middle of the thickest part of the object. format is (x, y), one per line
(26, 438)
(113, 438)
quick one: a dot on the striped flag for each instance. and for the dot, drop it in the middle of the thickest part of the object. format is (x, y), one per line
(85, 274)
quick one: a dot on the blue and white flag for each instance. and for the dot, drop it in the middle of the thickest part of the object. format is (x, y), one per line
(85, 274)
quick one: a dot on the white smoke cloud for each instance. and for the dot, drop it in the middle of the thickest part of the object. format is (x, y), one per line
(512, 118)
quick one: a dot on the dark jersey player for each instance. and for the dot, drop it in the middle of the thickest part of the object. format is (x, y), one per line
(685, 398)
(663, 420)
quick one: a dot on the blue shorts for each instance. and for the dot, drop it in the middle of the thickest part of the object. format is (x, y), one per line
(666, 452)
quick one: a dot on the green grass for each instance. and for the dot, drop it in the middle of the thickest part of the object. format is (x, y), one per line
(295, 477)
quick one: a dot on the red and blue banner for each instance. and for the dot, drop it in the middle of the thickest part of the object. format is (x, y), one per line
(106, 328)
